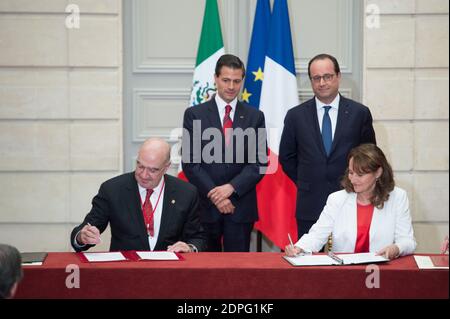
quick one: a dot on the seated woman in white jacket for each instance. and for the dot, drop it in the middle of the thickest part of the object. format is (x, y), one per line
(370, 214)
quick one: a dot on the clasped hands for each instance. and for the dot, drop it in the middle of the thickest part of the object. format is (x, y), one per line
(219, 195)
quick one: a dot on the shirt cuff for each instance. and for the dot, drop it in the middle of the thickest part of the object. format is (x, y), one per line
(75, 242)
(193, 248)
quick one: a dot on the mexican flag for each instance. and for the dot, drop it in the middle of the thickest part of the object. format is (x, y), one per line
(210, 50)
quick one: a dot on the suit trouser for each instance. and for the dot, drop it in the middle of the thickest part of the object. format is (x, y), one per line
(227, 235)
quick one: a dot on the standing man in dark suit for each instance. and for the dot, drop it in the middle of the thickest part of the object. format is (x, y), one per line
(146, 209)
(224, 165)
(317, 137)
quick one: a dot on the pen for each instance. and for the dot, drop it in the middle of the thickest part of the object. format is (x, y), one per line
(336, 258)
(292, 245)
(290, 240)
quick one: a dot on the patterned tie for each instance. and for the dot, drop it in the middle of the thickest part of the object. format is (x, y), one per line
(147, 210)
(326, 130)
(227, 125)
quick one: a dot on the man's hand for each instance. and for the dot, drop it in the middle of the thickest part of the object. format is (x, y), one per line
(220, 193)
(89, 235)
(179, 247)
(226, 207)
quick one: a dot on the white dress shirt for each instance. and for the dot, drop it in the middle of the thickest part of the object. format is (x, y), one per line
(390, 225)
(158, 192)
(221, 107)
(333, 112)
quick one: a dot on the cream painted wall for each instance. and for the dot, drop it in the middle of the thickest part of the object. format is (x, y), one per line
(61, 109)
(406, 83)
(60, 117)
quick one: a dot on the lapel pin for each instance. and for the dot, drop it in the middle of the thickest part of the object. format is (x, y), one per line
(242, 116)
(173, 201)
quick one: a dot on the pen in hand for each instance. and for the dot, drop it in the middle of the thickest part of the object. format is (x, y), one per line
(292, 245)
(99, 238)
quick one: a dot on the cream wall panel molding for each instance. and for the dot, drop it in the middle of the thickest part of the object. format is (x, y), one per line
(431, 197)
(95, 146)
(36, 237)
(432, 6)
(157, 112)
(391, 6)
(431, 94)
(83, 187)
(333, 27)
(34, 206)
(162, 45)
(59, 6)
(396, 139)
(95, 43)
(392, 45)
(34, 146)
(37, 40)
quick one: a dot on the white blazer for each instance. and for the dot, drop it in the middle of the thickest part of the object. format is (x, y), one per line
(390, 225)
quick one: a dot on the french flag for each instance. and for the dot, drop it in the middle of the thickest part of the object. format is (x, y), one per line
(276, 192)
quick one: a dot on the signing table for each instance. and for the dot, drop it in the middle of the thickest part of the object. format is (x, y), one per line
(228, 275)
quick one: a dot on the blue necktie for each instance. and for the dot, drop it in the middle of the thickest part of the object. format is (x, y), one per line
(326, 130)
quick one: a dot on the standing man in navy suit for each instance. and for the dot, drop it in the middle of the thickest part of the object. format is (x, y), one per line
(224, 164)
(317, 137)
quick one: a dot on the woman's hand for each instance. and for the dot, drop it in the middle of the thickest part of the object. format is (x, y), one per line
(390, 252)
(292, 251)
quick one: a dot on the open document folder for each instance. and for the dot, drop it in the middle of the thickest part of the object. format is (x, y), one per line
(332, 259)
(432, 262)
(130, 255)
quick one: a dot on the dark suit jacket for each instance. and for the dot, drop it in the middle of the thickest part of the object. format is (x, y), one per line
(118, 202)
(243, 174)
(303, 157)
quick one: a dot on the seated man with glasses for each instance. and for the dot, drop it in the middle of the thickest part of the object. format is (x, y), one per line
(317, 137)
(146, 209)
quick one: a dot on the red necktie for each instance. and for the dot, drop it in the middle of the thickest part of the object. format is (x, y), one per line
(147, 210)
(227, 125)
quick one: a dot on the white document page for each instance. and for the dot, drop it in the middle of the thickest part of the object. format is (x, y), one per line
(425, 262)
(311, 260)
(99, 257)
(157, 255)
(361, 258)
